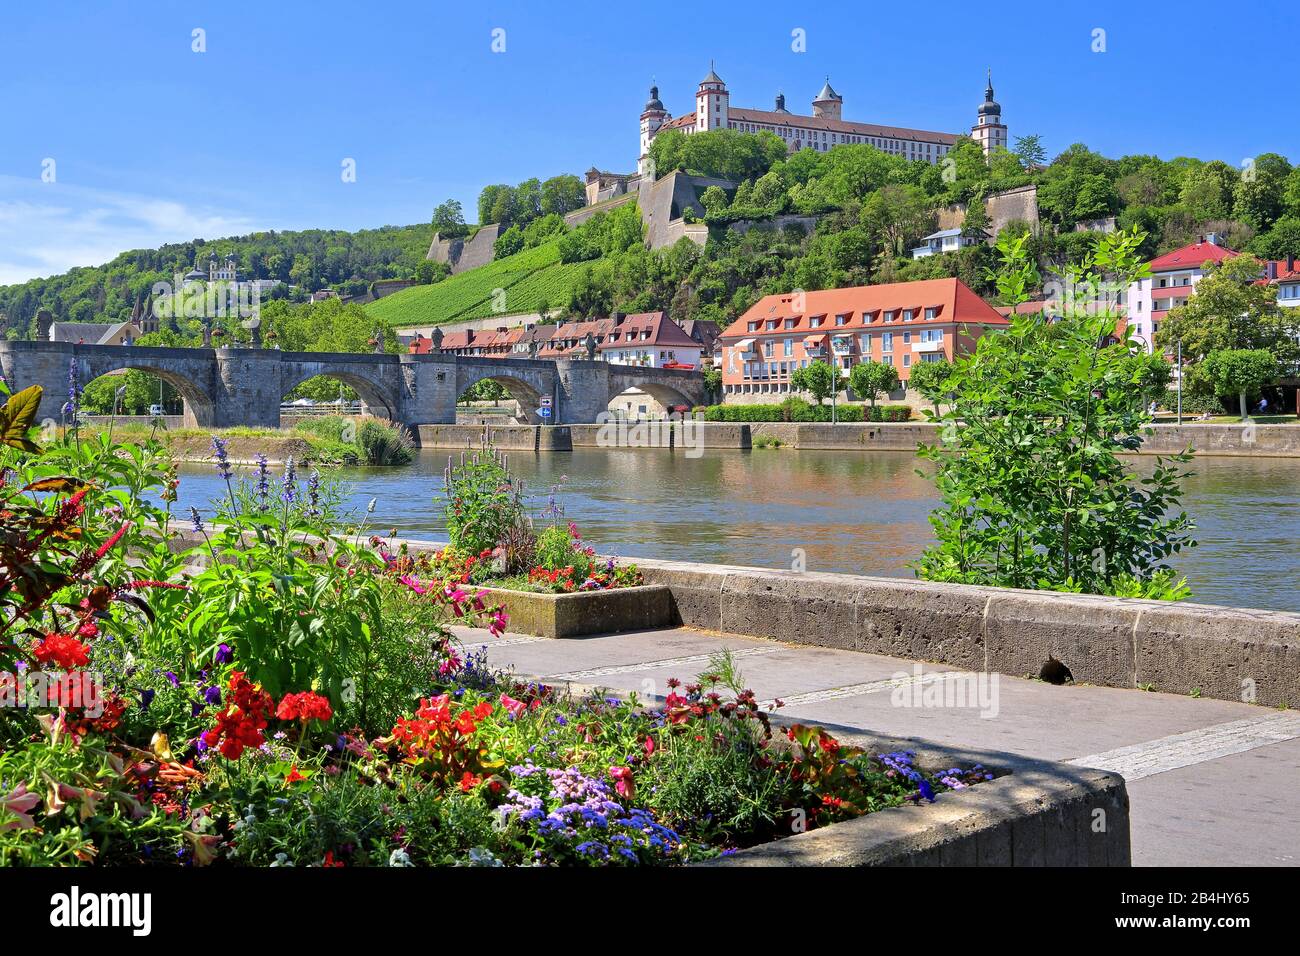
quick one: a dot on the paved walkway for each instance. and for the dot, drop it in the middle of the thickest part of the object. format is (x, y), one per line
(1210, 782)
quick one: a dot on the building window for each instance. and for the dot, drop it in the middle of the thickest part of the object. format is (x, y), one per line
(932, 313)
(889, 316)
(907, 359)
(789, 347)
(865, 343)
(907, 315)
(886, 341)
(841, 320)
(907, 338)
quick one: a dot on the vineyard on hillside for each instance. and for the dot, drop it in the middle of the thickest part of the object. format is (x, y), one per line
(529, 280)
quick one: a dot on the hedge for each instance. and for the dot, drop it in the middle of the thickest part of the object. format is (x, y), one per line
(797, 411)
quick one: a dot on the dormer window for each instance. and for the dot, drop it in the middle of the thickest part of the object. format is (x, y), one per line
(815, 322)
(842, 319)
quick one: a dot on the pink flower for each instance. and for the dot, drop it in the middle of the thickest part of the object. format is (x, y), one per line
(649, 746)
(20, 802)
(623, 783)
(413, 584)
(513, 707)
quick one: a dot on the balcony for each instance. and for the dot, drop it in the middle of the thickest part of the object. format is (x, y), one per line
(935, 346)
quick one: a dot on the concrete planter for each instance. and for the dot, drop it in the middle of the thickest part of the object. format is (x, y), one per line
(584, 612)
(1033, 813)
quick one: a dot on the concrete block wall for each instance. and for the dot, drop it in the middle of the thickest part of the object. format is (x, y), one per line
(1225, 653)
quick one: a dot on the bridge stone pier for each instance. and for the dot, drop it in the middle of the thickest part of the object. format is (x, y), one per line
(228, 387)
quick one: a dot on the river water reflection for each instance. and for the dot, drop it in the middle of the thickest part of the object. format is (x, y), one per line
(854, 512)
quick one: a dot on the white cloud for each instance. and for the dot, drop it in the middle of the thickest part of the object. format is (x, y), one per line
(48, 228)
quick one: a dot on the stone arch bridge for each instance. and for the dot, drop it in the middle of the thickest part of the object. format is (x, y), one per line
(225, 387)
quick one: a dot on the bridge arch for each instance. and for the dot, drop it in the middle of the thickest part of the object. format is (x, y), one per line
(193, 385)
(666, 388)
(376, 397)
(523, 382)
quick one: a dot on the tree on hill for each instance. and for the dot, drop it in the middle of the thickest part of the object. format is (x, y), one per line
(723, 153)
(1259, 195)
(1029, 150)
(449, 219)
(562, 194)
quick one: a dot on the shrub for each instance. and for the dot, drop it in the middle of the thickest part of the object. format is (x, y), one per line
(384, 443)
(559, 547)
(796, 409)
(483, 501)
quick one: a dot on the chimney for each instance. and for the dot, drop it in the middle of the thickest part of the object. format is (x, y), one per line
(1290, 262)
(1270, 270)
(1200, 240)
(618, 317)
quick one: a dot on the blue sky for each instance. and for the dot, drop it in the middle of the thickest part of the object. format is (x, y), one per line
(153, 142)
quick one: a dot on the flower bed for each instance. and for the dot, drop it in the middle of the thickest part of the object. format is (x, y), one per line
(282, 693)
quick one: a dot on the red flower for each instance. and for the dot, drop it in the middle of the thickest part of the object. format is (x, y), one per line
(304, 706)
(63, 651)
(293, 776)
(241, 724)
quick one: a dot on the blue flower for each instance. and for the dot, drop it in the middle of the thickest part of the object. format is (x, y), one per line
(221, 458)
(925, 789)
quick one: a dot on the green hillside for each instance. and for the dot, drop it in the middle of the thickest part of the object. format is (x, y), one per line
(309, 259)
(531, 280)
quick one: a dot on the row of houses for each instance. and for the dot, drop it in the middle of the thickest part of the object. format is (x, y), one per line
(648, 339)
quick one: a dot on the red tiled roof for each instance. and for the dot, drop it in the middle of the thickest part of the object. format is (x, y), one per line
(823, 123)
(1191, 257)
(662, 331)
(956, 302)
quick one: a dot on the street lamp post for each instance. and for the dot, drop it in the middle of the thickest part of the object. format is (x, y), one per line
(1180, 381)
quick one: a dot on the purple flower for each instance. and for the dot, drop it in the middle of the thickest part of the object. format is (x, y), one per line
(175, 681)
(224, 654)
(213, 696)
(222, 459)
(196, 521)
(263, 482)
(313, 493)
(146, 698)
(290, 492)
(925, 789)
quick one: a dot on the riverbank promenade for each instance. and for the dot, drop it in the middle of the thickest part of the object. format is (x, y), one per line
(1211, 782)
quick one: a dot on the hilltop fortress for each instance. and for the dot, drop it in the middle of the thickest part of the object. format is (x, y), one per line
(663, 202)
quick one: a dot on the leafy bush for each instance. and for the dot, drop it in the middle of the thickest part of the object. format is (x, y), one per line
(559, 548)
(796, 409)
(1035, 493)
(384, 443)
(483, 500)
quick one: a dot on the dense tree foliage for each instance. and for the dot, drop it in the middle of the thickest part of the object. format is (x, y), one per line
(311, 259)
(531, 199)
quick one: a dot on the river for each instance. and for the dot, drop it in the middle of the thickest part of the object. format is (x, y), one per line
(862, 513)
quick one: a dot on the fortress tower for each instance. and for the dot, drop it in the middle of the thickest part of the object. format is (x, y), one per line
(712, 103)
(988, 130)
